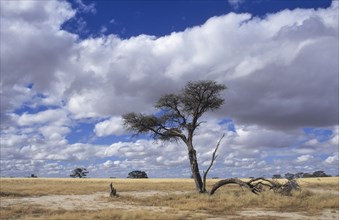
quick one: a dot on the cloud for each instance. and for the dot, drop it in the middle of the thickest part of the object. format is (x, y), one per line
(113, 21)
(281, 72)
(235, 4)
(280, 47)
(136, 71)
(103, 29)
(31, 36)
(113, 126)
(304, 158)
(235, 154)
(90, 8)
(332, 159)
(40, 117)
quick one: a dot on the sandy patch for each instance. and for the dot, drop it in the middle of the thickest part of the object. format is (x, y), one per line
(94, 201)
(143, 194)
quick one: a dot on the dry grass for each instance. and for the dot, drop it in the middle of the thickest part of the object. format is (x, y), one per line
(169, 203)
(58, 186)
(231, 200)
(36, 212)
(328, 183)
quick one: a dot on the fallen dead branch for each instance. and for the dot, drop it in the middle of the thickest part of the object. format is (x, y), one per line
(258, 185)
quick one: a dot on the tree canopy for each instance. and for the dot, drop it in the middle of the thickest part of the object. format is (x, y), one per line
(137, 174)
(178, 112)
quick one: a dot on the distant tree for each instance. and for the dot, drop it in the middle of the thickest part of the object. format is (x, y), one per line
(289, 176)
(33, 176)
(79, 172)
(137, 174)
(276, 176)
(179, 117)
(320, 173)
(299, 175)
(307, 175)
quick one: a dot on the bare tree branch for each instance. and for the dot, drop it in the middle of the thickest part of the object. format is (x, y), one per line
(214, 156)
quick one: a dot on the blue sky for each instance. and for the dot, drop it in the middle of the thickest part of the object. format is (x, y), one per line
(70, 69)
(132, 17)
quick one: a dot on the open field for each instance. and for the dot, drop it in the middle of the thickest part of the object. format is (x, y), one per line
(42, 198)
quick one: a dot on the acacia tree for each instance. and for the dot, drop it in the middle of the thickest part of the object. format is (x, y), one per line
(137, 174)
(178, 118)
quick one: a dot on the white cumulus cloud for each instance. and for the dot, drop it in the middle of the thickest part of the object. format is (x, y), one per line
(112, 126)
(281, 71)
(304, 158)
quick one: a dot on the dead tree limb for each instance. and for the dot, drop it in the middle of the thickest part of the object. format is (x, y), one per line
(233, 181)
(264, 182)
(287, 188)
(214, 156)
(257, 185)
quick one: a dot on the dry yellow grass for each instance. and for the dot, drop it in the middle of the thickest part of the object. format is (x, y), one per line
(35, 212)
(65, 186)
(329, 183)
(59, 186)
(171, 199)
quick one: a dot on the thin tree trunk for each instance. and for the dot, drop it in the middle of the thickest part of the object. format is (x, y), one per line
(195, 170)
(192, 155)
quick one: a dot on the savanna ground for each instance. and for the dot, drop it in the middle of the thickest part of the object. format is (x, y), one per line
(42, 198)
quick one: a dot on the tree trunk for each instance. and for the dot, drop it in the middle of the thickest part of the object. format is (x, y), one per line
(195, 170)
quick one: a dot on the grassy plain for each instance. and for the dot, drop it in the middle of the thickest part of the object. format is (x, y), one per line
(49, 198)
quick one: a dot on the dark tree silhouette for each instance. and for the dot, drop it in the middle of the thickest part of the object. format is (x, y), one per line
(179, 117)
(276, 176)
(320, 173)
(79, 172)
(137, 174)
(289, 176)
